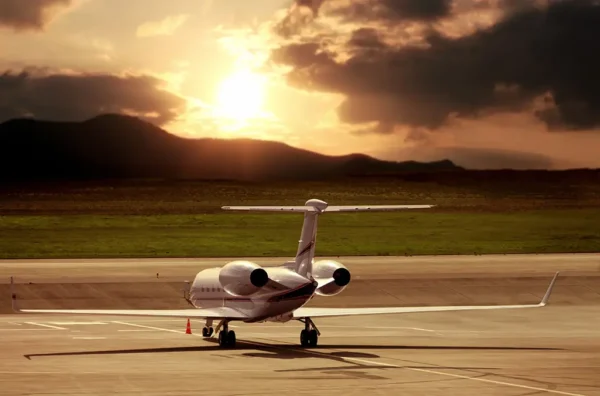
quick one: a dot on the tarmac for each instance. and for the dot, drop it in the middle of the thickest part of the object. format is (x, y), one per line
(547, 351)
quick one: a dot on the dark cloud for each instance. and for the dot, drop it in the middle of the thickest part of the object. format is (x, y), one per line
(550, 51)
(393, 10)
(300, 14)
(28, 14)
(76, 97)
(366, 38)
(303, 12)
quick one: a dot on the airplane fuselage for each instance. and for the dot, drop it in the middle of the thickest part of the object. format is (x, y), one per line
(267, 304)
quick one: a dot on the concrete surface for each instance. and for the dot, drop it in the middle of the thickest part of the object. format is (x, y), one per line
(553, 350)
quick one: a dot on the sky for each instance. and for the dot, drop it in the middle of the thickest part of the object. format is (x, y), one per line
(484, 83)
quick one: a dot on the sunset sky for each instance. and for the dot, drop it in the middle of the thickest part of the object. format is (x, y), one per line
(486, 83)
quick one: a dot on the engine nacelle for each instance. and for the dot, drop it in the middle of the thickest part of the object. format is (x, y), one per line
(326, 269)
(242, 278)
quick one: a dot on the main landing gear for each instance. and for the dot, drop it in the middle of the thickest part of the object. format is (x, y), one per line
(226, 336)
(310, 335)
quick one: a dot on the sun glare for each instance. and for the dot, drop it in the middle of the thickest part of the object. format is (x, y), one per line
(241, 96)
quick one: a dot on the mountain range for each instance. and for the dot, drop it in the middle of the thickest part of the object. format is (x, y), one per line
(117, 146)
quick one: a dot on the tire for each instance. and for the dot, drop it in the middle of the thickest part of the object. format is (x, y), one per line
(222, 339)
(313, 338)
(231, 339)
(304, 340)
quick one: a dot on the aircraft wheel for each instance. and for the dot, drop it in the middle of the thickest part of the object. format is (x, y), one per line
(222, 339)
(304, 339)
(231, 339)
(313, 338)
(205, 332)
(210, 331)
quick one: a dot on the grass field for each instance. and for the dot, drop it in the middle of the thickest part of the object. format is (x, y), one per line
(277, 235)
(148, 219)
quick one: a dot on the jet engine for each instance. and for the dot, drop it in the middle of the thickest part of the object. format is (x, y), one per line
(242, 278)
(336, 272)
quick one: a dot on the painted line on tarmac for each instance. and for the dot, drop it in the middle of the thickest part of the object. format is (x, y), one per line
(468, 378)
(21, 329)
(77, 323)
(89, 338)
(495, 382)
(349, 360)
(149, 327)
(46, 325)
(135, 330)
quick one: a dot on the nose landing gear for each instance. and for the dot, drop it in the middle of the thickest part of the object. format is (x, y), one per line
(207, 330)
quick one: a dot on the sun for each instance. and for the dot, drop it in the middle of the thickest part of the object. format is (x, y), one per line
(240, 97)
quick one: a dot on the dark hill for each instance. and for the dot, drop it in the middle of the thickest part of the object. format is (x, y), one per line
(114, 146)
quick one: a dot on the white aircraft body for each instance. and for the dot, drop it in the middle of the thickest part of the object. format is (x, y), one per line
(244, 291)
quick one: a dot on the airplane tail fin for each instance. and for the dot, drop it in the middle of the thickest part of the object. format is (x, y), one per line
(311, 210)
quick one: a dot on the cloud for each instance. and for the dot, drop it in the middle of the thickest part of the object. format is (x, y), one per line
(164, 27)
(392, 10)
(29, 14)
(533, 59)
(50, 95)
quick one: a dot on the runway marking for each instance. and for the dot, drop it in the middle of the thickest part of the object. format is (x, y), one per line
(46, 372)
(21, 329)
(15, 323)
(150, 327)
(441, 373)
(494, 382)
(77, 323)
(321, 355)
(89, 338)
(136, 330)
(46, 325)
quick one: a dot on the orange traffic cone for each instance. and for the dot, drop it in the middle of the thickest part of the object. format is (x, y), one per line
(188, 328)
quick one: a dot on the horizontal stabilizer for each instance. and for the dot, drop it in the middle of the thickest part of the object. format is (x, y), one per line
(339, 208)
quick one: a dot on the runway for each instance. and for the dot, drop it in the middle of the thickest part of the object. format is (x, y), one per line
(553, 351)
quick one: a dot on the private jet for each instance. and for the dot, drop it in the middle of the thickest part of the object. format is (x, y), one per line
(241, 290)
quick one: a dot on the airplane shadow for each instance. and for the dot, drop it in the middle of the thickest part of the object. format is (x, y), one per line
(287, 351)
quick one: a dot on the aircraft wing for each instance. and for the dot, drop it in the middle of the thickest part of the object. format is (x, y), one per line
(204, 313)
(307, 312)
